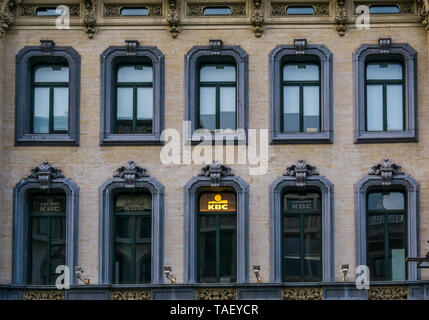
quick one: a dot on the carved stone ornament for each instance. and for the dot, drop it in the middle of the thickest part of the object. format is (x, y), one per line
(44, 173)
(423, 12)
(131, 46)
(321, 9)
(280, 8)
(300, 45)
(130, 173)
(197, 9)
(215, 172)
(89, 19)
(386, 169)
(43, 295)
(7, 14)
(216, 294)
(173, 19)
(114, 10)
(388, 293)
(301, 170)
(341, 17)
(384, 44)
(257, 18)
(47, 45)
(302, 293)
(130, 294)
(406, 8)
(30, 10)
(215, 45)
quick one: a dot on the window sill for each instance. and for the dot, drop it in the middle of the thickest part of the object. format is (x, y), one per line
(301, 138)
(47, 140)
(386, 137)
(234, 138)
(131, 140)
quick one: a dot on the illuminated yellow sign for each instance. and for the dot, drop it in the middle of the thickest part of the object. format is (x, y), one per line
(215, 202)
(218, 204)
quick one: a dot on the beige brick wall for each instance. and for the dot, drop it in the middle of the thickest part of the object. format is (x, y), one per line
(89, 165)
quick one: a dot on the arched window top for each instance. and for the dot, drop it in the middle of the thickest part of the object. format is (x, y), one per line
(293, 71)
(134, 11)
(217, 72)
(383, 9)
(217, 11)
(384, 70)
(135, 73)
(51, 73)
(300, 10)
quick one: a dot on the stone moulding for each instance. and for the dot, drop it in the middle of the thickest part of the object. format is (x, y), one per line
(300, 171)
(302, 294)
(30, 10)
(43, 295)
(215, 172)
(114, 10)
(216, 294)
(386, 169)
(388, 293)
(130, 172)
(44, 173)
(279, 8)
(197, 9)
(130, 295)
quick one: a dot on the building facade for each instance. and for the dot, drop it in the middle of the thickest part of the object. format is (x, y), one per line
(93, 94)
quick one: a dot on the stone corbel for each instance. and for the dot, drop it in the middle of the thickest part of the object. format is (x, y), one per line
(386, 170)
(44, 173)
(301, 171)
(341, 17)
(130, 173)
(131, 47)
(215, 172)
(384, 44)
(89, 19)
(257, 18)
(300, 45)
(47, 45)
(173, 19)
(7, 14)
(215, 45)
(423, 12)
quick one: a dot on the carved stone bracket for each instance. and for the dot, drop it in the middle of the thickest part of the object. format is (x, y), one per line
(215, 172)
(7, 14)
(341, 17)
(216, 294)
(215, 45)
(43, 295)
(300, 45)
(384, 44)
(423, 12)
(130, 294)
(173, 19)
(130, 173)
(388, 293)
(47, 45)
(44, 173)
(386, 169)
(89, 19)
(257, 18)
(131, 47)
(302, 293)
(301, 170)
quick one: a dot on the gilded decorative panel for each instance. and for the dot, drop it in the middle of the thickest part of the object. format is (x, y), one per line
(216, 294)
(130, 295)
(279, 8)
(43, 295)
(302, 293)
(29, 10)
(197, 9)
(388, 293)
(114, 10)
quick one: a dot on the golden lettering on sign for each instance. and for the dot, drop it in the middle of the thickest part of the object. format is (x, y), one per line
(215, 202)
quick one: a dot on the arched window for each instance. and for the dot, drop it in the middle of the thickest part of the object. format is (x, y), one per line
(132, 236)
(217, 237)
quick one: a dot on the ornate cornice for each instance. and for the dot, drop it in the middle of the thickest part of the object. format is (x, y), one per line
(89, 18)
(7, 14)
(216, 294)
(257, 18)
(130, 294)
(387, 170)
(43, 295)
(114, 10)
(197, 9)
(173, 19)
(30, 10)
(215, 172)
(341, 17)
(130, 173)
(302, 293)
(388, 293)
(301, 170)
(44, 173)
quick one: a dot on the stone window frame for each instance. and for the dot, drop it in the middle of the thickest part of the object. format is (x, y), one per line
(301, 49)
(377, 179)
(216, 51)
(132, 49)
(21, 191)
(25, 60)
(130, 181)
(293, 179)
(192, 189)
(386, 49)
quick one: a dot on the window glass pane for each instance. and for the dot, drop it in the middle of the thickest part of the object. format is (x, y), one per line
(374, 109)
(291, 249)
(312, 248)
(300, 10)
(384, 71)
(44, 11)
(397, 245)
(227, 108)
(311, 108)
(134, 12)
(207, 248)
(208, 108)
(41, 110)
(39, 248)
(61, 109)
(228, 249)
(133, 202)
(301, 72)
(383, 9)
(376, 248)
(51, 74)
(125, 102)
(143, 248)
(217, 73)
(386, 201)
(144, 110)
(395, 111)
(58, 245)
(217, 11)
(297, 202)
(291, 109)
(123, 246)
(135, 73)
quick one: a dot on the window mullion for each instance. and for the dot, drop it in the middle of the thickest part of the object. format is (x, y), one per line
(217, 106)
(386, 247)
(217, 249)
(133, 250)
(384, 107)
(301, 108)
(134, 109)
(51, 109)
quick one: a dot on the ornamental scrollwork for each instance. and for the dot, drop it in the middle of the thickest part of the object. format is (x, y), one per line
(173, 19)
(388, 293)
(43, 295)
(130, 173)
(130, 295)
(301, 170)
(7, 14)
(386, 169)
(341, 17)
(89, 19)
(113, 10)
(280, 8)
(423, 12)
(44, 173)
(197, 9)
(215, 171)
(321, 9)
(257, 18)
(216, 294)
(31, 10)
(302, 294)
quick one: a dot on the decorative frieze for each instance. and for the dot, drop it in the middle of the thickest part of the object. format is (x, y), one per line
(30, 10)
(89, 19)
(216, 294)
(341, 17)
(386, 169)
(302, 294)
(130, 173)
(215, 172)
(130, 294)
(257, 18)
(43, 295)
(173, 19)
(114, 10)
(197, 9)
(280, 8)
(44, 173)
(301, 170)
(388, 293)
